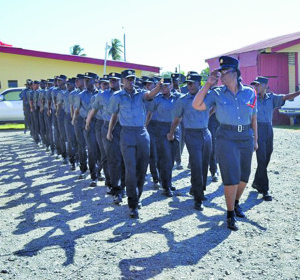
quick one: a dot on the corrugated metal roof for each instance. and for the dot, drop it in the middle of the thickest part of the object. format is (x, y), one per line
(269, 43)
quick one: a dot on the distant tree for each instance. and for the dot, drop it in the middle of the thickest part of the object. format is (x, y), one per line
(77, 50)
(115, 50)
(204, 74)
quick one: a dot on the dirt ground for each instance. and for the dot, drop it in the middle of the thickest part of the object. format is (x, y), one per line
(55, 227)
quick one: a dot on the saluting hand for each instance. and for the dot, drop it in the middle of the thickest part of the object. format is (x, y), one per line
(213, 78)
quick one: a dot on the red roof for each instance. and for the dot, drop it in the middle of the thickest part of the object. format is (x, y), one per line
(276, 44)
(81, 59)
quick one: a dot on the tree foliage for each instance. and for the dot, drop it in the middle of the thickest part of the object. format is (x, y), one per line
(115, 50)
(77, 50)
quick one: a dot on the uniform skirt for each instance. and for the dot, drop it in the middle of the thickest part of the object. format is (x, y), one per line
(234, 153)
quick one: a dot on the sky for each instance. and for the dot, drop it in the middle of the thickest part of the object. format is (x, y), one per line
(162, 33)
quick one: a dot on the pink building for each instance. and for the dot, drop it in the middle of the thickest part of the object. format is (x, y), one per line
(276, 58)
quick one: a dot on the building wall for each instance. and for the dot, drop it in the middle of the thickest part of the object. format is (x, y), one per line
(21, 67)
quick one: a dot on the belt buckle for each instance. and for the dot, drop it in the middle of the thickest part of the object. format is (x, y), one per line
(240, 128)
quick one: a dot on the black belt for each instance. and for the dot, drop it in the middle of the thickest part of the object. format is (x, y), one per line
(238, 128)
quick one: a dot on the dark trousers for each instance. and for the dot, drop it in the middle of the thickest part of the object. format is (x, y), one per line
(213, 124)
(82, 155)
(42, 127)
(115, 163)
(36, 125)
(56, 138)
(135, 148)
(263, 155)
(154, 169)
(102, 155)
(27, 116)
(70, 133)
(62, 132)
(90, 139)
(198, 143)
(49, 129)
(181, 133)
(166, 151)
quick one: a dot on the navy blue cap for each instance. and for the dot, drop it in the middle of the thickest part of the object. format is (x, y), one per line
(193, 78)
(166, 81)
(71, 81)
(114, 75)
(151, 80)
(260, 80)
(228, 62)
(43, 81)
(62, 77)
(80, 76)
(104, 79)
(28, 82)
(192, 73)
(90, 75)
(36, 82)
(128, 73)
(175, 76)
(50, 81)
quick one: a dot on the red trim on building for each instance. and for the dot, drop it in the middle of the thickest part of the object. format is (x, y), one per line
(297, 71)
(285, 45)
(80, 59)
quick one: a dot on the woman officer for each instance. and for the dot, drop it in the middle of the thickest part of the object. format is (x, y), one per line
(236, 137)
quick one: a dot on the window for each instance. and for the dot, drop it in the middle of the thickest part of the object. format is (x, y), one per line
(12, 83)
(12, 95)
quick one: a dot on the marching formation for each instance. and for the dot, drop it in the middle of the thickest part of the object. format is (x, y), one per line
(119, 124)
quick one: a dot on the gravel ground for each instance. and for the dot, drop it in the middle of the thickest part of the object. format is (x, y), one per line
(55, 227)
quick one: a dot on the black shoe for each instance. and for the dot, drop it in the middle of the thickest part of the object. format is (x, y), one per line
(65, 161)
(123, 193)
(108, 190)
(101, 177)
(82, 175)
(214, 178)
(232, 223)
(198, 205)
(52, 153)
(93, 183)
(117, 198)
(239, 212)
(73, 167)
(133, 213)
(172, 189)
(167, 192)
(256, 187)
(266, 196)
(47, 149)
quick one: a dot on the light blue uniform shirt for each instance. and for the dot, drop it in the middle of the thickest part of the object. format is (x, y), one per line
(191, 118)
(232, 109)
(85, 102)
(130, 108)
(23, 95)
(266, 106)
(54, 92)
(164, 107)
(63, 98)
(36, 99)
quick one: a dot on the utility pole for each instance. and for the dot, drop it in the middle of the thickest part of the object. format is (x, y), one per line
(104, 70)
(124, 45)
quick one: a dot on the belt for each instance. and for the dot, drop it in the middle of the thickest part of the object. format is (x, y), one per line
(238, 128)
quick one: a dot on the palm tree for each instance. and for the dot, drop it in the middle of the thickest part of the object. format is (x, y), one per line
(77, 50)
(115, 49)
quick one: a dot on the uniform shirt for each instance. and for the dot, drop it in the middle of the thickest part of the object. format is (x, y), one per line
(54, 92)
(131, 108)
(266, 106)
(191, 118)
(46, 93)
(72, 96)
(148, 105)
(41, 97)
(101, 104)
(30, 95)
(23, 95)
(232, 109)
(49, 95)
(83, 102)
(36, 99)
(63, 99)
(164, 107)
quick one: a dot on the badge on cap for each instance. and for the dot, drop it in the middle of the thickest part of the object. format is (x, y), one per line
(173, 75)
(188, 77)
(221, 61)
(129, 72)
(162, 80)
(113, 74)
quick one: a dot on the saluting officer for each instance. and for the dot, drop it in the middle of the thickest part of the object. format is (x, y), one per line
(236, 137)
(129, 105)
(26, 106)
(197, 137)
(48, 114)
(266, 103)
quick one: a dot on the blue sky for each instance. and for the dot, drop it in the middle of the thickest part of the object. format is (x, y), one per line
(160, 33)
